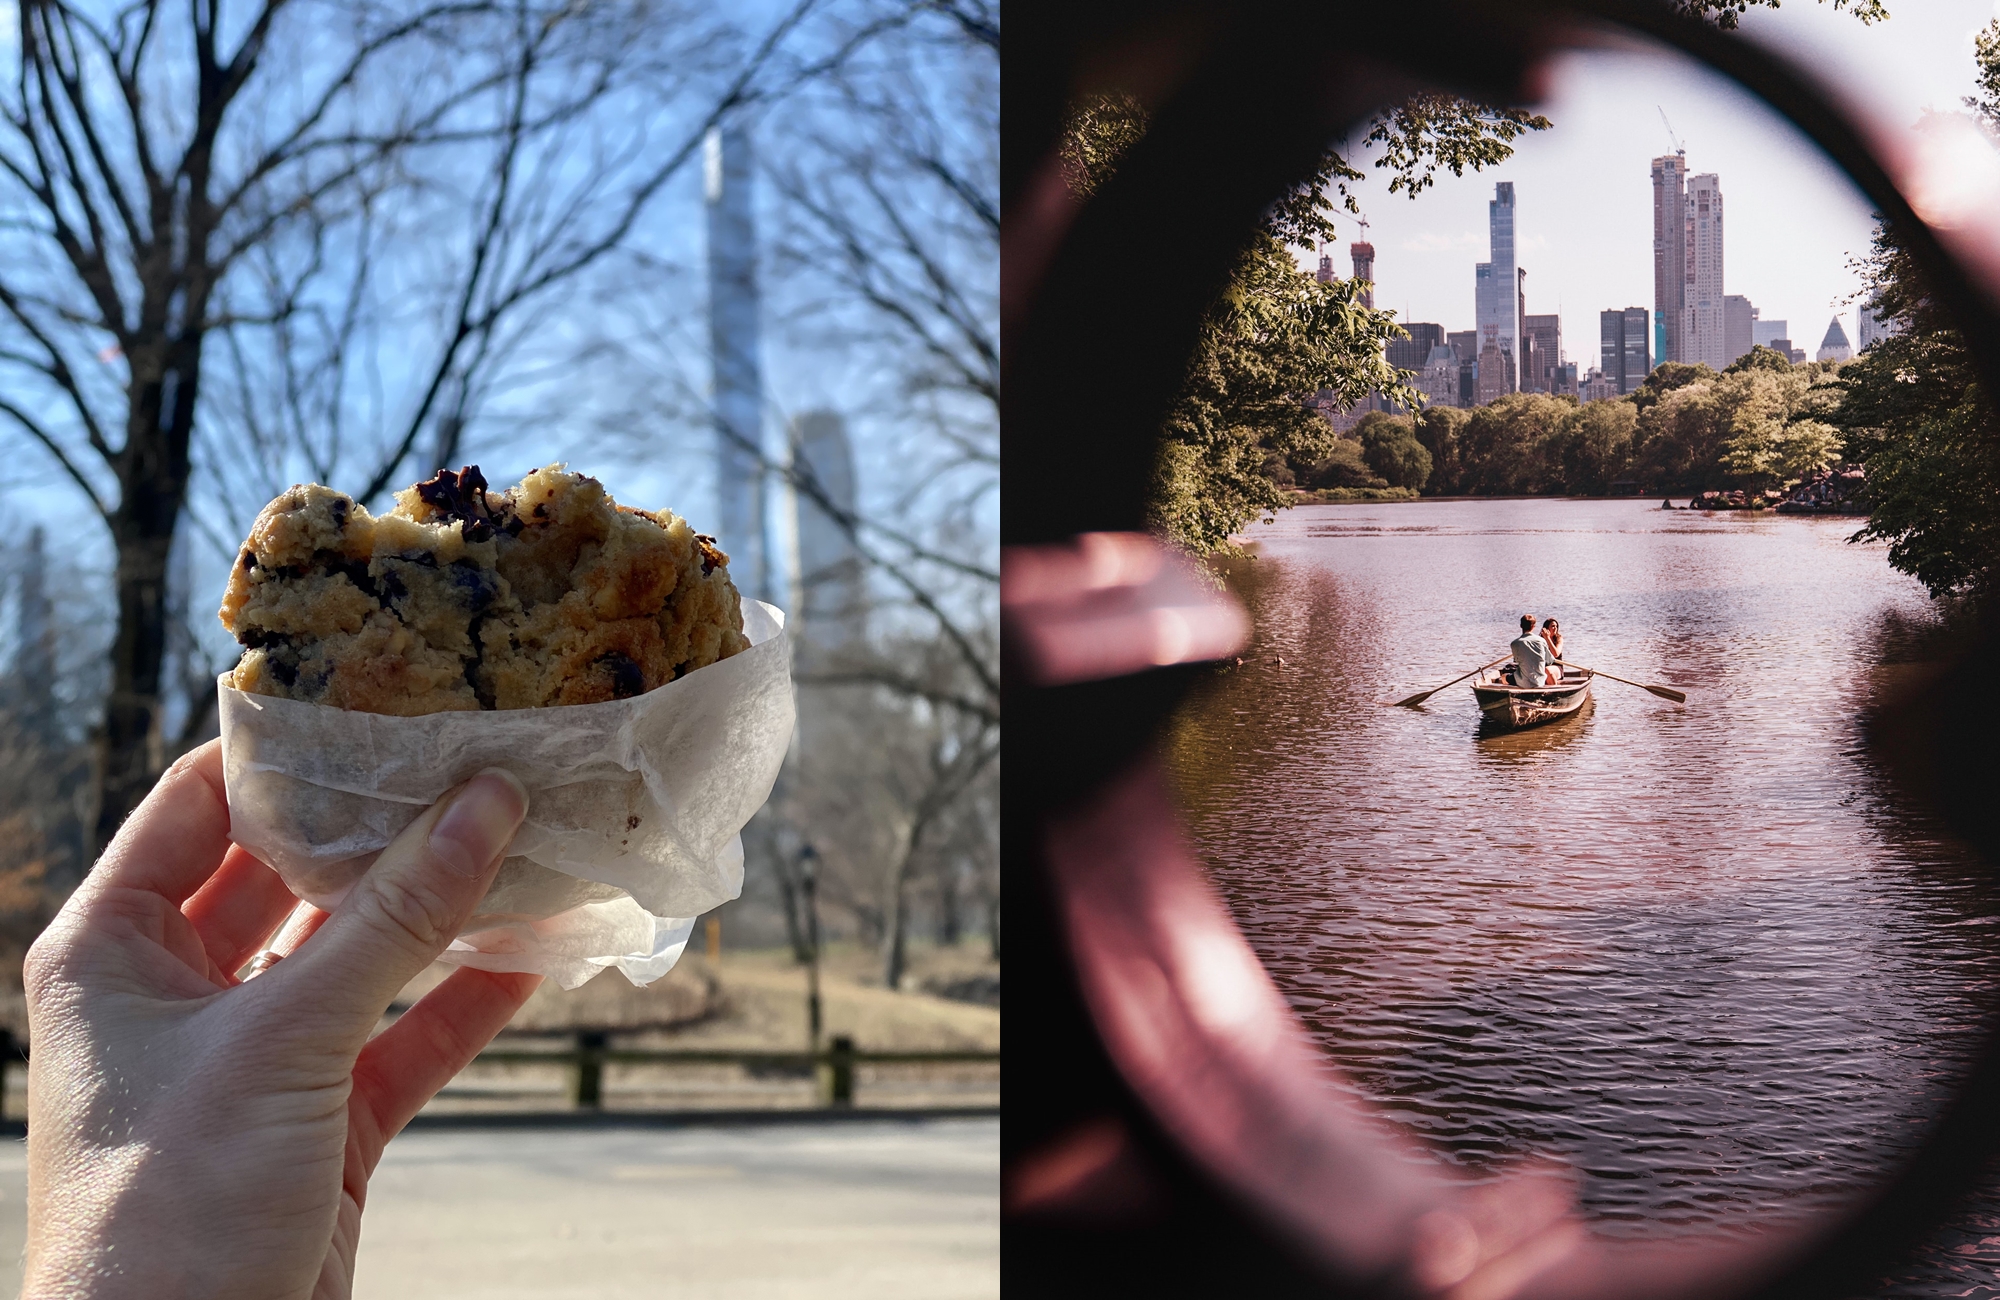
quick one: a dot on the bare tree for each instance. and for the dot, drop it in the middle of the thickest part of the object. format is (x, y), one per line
(301, 235)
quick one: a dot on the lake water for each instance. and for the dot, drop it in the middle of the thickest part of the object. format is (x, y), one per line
(1702, 954)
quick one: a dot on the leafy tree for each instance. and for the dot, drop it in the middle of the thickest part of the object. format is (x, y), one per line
(1390, 447)
(1760, 357)
(1915, 415)
(1773, 438)
(1590, 449)
(1666, 377)
(1504, 441)
(1276, 336)
(1343, 466)
(1440, 429)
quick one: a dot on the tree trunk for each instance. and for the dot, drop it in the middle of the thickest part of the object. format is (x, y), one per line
(896, 928)
(152, 482)
(951, 912)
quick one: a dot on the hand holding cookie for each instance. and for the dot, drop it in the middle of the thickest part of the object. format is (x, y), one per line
(193, 1135)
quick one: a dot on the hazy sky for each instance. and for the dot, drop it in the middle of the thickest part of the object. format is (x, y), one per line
(1583, 190)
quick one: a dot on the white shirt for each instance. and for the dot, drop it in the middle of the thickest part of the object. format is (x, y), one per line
(1532, 658)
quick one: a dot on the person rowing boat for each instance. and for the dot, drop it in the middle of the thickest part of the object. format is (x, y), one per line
(1533, 659)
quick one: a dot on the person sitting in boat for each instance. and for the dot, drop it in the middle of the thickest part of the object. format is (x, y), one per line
(1554, 637)
(1531, 656)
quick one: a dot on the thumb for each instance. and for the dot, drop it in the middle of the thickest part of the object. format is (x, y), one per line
(409, 905)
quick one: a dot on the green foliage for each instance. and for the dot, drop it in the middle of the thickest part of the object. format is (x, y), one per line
(1666, 377)
(1099, 130)
(1725, 13)
(1760, 357)
(1915, 415)
(1390, 447)
(1342, 466)
(1503, 443)
(1241, 432)
(1275, 337)
(1917, 418)
(1333, 495)
(1433, 130)
(1439, 429)
(1590, 449)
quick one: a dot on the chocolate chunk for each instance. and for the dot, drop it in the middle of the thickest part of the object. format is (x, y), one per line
(462, 497)
(480, 587)
(627, 679)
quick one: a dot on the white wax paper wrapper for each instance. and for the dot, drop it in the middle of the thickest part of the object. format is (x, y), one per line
(634, 806)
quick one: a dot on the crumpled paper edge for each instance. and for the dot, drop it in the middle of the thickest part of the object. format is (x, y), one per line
(652, 942)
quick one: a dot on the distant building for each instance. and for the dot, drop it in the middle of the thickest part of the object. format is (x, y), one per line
(1544, 350)
(1364, 270)
(1669, 254)
(1834, 346)
(1438, 379)
(1562, 379)
(1414, 352)
(1497, 290)
(831, 619)
(1766, 333)
(1491, 384)
(1623, 358)
(1466, 344)
(1784, 347)
(1739, 320)
(1325, 275)
(1871, 329)
(1598, 386)
(1702, 337)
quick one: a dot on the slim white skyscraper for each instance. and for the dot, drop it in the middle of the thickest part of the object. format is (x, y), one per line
(1704, 324)
(1496, 293)
(1669, 254)
(737, 398)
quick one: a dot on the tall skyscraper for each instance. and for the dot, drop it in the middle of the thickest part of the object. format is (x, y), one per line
(1702, 335)
(1623, 358)
(1497, 301)
(737, 396)
(1739, 322)
(1768, 333)
(1364, 269)
(1669, 253)
(1834, 346)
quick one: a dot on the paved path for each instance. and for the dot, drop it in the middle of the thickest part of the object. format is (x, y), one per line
(881, 1210)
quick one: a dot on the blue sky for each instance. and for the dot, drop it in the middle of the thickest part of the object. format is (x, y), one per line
(1584, 193)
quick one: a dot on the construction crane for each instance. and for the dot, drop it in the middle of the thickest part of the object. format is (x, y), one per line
(1678, 146)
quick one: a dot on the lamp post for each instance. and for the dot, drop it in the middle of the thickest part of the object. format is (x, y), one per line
(809, 885)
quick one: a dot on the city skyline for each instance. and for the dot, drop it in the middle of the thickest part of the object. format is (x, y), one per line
(1794, 222)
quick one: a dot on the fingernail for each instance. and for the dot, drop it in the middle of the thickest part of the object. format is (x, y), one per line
(479, 821)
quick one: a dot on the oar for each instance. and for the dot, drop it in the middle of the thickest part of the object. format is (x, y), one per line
(1421, 696)
(1664, 692)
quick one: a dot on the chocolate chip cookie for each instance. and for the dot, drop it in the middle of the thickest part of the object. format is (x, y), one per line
(460, 598)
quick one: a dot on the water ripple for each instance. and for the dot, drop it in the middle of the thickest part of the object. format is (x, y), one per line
(1701, 953)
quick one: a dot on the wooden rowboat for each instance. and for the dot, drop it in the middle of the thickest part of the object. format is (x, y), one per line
(1514, 707)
